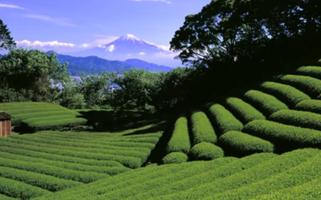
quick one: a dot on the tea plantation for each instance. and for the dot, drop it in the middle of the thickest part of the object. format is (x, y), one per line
(264, 144)
(277, 116)
(41, 116)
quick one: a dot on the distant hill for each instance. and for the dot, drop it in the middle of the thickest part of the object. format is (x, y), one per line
(96, 65)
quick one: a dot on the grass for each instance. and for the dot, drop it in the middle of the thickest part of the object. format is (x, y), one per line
(202, 129)
(179, 142)
(237, 143)
(223, 119)
(40, 116)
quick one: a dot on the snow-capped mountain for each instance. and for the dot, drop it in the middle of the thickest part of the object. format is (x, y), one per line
(128, 47)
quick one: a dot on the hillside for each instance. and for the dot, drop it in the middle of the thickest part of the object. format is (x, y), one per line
(291, 175)
(277, 116)
(97, 65)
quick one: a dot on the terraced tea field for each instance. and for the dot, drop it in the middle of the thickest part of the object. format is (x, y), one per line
(46, 162)
(278, 116)
(40, 116)
(258, 176)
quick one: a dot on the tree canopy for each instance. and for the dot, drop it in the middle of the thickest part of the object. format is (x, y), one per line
(6, 41)
(256, 31)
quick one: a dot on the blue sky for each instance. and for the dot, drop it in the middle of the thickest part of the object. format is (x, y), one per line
(75, 22)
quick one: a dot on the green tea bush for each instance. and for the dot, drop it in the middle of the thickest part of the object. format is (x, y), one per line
(310, 85)
(224, 119)
(298, 118)
(286, 93)
(268, 104)
(285, 135)
(39, 116)
(240, 144)
(314, 71)
(180, 138)
(43, 181)
(310, 105)
(175, 157)
(19, 190)
(206, 151)
(202, 129)
(244, 111)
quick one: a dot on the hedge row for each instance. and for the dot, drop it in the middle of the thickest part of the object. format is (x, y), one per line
(268, 104)
(310, 105)
(241, 144)
(19, 190)
(175, 157)
(298, 118)
(132, 162)
(224, 119)
(180, 140)
(314, 71)
(111, 170)
(244, 111)
(202, 129)
(40, 180)
(308, 84)
(286, 93)
(206, 151)
(80, 176)
(285, 135)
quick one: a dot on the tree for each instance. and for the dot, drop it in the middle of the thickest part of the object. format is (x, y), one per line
(6, 41)
(135, 89)
(96, 89)
(36, 75)
(271, 32)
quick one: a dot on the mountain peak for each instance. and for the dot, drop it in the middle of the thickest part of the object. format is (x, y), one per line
(129, 37)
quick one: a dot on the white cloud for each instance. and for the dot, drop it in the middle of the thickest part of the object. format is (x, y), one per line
(111, 48)
(102, 40)
(11, 6)
(46, 18)
(42, 44)
(156, 1)
(142, 53)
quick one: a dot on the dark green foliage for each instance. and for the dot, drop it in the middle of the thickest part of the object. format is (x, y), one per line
(298, 118)
(266, 103)
(314, 71)
(224, 119)
(244, 111)
(285, 92)
(6, 41)
(310, 85)
(206, 151)
(240, 144)
(284, 136)
(19, 190)
(310, 105)
(202, 130)
(32, 74)
(175, 157)
(180, 137)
